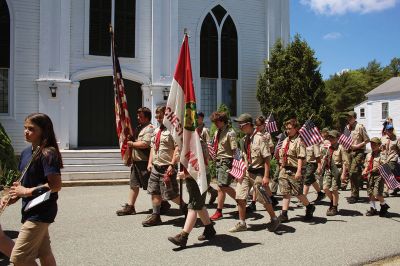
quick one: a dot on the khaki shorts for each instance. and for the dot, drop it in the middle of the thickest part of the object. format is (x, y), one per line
(157, 186)
(223, 177)
(332, 182)
(139, 175)
(375, 185)
(33, 242)
(196, 200)
(310, 178)
(289, 185)
(243, 187)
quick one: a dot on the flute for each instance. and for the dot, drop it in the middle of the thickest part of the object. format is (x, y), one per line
(34, 155)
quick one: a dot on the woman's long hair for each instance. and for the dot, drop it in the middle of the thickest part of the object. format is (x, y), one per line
(48, 142)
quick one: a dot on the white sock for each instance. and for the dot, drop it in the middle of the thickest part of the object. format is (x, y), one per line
(242, 222)
(372, 203)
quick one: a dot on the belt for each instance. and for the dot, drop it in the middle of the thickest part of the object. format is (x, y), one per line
(160, 168)
(256, 170)
(291, 168)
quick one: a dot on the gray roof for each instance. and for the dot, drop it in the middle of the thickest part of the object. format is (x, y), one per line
(392, 85)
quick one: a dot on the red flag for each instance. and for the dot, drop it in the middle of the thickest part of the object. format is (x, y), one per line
(122, 119)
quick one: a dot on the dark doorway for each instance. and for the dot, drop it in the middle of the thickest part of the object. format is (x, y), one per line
(96, 118)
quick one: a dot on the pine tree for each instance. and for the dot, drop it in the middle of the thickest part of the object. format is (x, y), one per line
(8, 162)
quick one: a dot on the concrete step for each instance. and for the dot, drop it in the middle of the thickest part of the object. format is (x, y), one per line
(95, 153)
(94, 168)
(106, 175)
(88, 161)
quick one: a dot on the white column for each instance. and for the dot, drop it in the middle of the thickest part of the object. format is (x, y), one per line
(73, 115)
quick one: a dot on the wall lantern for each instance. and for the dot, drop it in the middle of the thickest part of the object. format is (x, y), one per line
(166, 93)
(53, 90)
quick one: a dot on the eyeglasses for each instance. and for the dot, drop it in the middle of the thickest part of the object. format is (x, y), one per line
(242, 125)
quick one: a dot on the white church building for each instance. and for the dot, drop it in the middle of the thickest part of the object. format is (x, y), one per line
(55, 58)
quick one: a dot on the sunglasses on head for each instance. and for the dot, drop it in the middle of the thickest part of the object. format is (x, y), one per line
(242, 125)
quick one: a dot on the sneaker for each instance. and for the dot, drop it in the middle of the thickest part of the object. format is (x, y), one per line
(283, 218)
(352, 200)
(179, 240)
(384, 210)
(371, 212)
(239, 227)
(251, 208)
(385, 194)
(332, 211)
(213, 195)
(165, 206)
(395, 191)
(274, 225)
(152, 220)
(208, 233)
(343, 186)
(310, 208)
(126, 210)
(320, 196)
(216, 216)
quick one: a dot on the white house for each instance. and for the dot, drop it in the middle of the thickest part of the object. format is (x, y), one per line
(64, 45)
(382, 102)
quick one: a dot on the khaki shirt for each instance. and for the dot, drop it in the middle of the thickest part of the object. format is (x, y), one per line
(259, 151)
(204, 133)
(391, 148)
(166, 150)
(268, 139)
(226, 144)
(377, 161)
(297, 150)
(340, 156)
(358, 134)
(325, 147)
(144, 135)
(313, 153)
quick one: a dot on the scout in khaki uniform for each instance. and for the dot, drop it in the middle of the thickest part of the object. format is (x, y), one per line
(335, 165)
(375, 181)
(196, 207)
(391, 150)
(257, 155)
(292, 156)
(359, 138)
(140, 156)
(260, 127)
(164, 155)
(225, 145)
(313, 167)
(204, 134)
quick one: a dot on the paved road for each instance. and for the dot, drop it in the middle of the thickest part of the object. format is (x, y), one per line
(87, 232)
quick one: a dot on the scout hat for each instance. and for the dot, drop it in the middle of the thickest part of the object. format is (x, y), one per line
(333, 133)
(376, 140)
(244, 118)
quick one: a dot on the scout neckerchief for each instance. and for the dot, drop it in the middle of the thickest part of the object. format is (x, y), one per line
(285, 152)
(158, 137)
(216, 140)
(329, 157)
(248, 141)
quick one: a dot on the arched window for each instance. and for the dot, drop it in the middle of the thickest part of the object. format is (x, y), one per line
(4, 57)
(218, 61)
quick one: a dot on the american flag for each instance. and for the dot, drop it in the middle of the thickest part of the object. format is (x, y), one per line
(388, 176)
(211, 150)
(122, 119)
(310, 133)
(238, 166)
(278, 146)
(270, 124)
(345, 139)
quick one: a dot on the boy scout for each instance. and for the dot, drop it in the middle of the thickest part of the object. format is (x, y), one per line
(204, 134)
(390, 150)
(375, 181)
(140, 156)
(225, 145)
(257, 155)
(292, 155)
(335, 165)
(164, 155)
(359, 138)
(313, 167)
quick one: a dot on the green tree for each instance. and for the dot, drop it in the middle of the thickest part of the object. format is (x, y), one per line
(394, 67)
(291, 84)
(8, 162)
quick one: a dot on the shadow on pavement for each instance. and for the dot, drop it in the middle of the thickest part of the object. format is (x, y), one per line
(352, 213)
(315, 220)
(227, 243)
(284, 229)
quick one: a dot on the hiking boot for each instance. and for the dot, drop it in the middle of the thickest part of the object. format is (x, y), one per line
(310, 208)
(274, 200)
(343, 186)
(213, 195)
(251, 208)
(216, 216)
(371, 212)
(385, 194)
(283, 218)
(384, 210)
(208, 233)
(239, 227)
(332, 211)
(126, 210)
(395, 191)
(165, 206)
(152, 220)
(180, 239)
(274, 224)
(320, 196)
(352, 200)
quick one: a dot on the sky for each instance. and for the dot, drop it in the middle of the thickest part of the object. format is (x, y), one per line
(347, 34)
